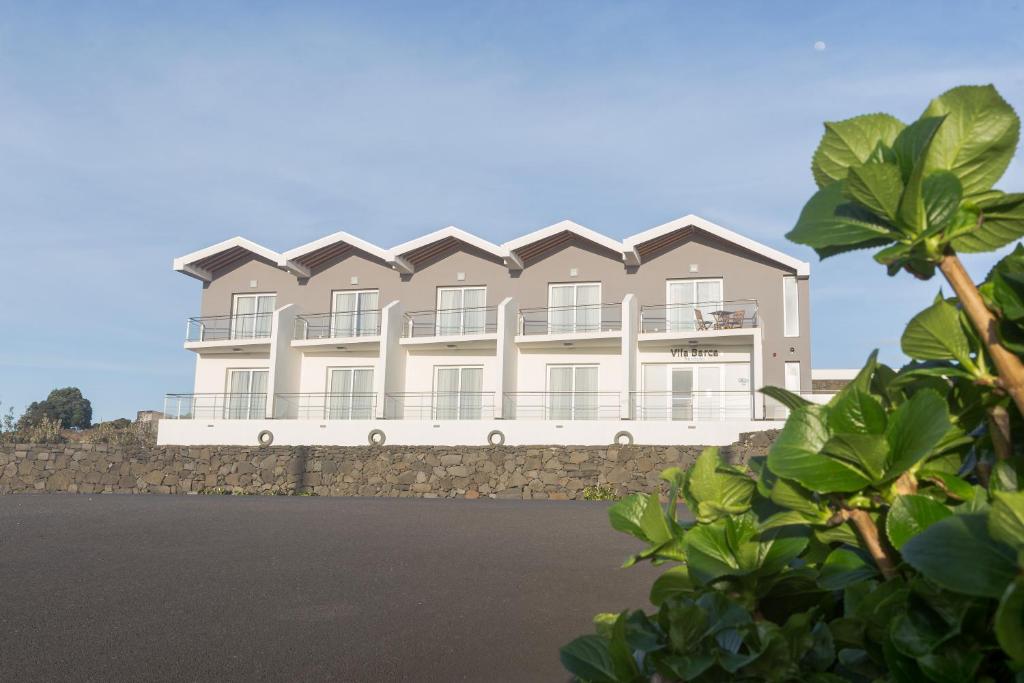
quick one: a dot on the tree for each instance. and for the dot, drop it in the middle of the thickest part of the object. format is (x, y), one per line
(882, 538)
(67, 405)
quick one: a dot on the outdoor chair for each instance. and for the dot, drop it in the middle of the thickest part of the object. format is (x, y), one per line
(734, 320)
(701, 323)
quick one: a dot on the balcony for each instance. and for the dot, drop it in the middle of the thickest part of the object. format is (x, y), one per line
(455, 405)
(579, 325)
(452, 327)
(563, 405)
(325, 406)
(344, 330)
(719, 317)
(693, 406)
(215, 406)
(239, 330)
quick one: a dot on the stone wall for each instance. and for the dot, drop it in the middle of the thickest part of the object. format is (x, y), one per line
(557, 472)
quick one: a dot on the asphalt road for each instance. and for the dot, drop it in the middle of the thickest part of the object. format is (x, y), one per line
(204, 588)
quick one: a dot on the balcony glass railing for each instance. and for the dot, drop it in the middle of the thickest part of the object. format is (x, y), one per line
(229, 327)
(451, 322)
(571, 319)
(563, 405)
(215, 406)
(699, 316)
(693, 406)
(325, 406)
(712, 315)
(340, 324)
(439, 405)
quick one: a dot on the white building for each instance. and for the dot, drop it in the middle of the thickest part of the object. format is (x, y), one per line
(563, 335)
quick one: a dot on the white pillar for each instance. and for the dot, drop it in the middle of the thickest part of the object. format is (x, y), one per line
(630, 329)
(507, 355)
(285, 362)
(389, 370)
(757, 361)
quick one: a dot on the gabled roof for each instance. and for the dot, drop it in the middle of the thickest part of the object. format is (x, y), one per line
(637, 242)
(523, 249)
(407, 256)
(319, 251)
(202, 264)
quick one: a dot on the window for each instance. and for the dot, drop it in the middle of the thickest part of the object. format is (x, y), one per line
(793, 376)
(574, 308)
(572, 392)
(458, 393)
(461, 310)
(692, 303)
(355, 313)
(349, 394)
(790, 306)
(247, 395)
(252, 315)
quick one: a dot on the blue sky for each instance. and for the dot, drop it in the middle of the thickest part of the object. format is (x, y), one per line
(132, 133)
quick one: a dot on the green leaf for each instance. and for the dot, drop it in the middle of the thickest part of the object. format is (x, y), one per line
(978, 138)
(789, 494)
(626, 515)
(1010, 620)
(914, 430)
(936, 334)
(589, 658)
(877, 187)
(910, 515)
(1006, 519)
(911, 147)
(1002, 223)
(708, 553)
(796, 454)
(954, 486)
(784, 396)
(621, 652)
(855, 411)
(959, 554)
(675, 581)
(852, 142)
(941, 194)
(1007, 283)
(845, 566)
(869, 452)
(830, 224)
(718, 490)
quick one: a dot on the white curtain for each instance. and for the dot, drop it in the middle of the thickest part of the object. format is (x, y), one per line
(791, 307)
(682, 393)
(369, 313)
(346, 305)
(561, 315)
(680, 306)
(655, 396)
(362, 394)
(264, 315)
(560, 380)
(474, 316)
(470, 397)
(446, 399)
(588, 308)
(242, 317)
(449, 311)
(238, 394)
(338, 406)
(351, 396)
(709, 297)
(585, 399)
(709, 393)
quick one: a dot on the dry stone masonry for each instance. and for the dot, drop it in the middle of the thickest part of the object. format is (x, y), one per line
(554, 472)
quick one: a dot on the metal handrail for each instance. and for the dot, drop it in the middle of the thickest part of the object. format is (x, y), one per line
(537, 320)
(325, 406)
(430, 323)
(339, 324)
(439, 405)
(715, 315)
(214, 406)
(563, 405)
(238, 326)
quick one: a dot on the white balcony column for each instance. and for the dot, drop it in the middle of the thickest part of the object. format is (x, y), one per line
(389, 369)
(757, 359)
(506, 352)
(630, 330)
(285, 362)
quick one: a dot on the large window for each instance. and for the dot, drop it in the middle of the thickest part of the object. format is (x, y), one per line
(247, 394)
(572, 392)
(574, 308)
(252, 315)
(350, 394)
(461, 310)
(790, 306)
(458, 393)
(356, 313)
(692, 303)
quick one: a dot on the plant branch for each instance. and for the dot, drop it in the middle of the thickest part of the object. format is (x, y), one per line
(869, 534)
(999, 430)
(1010, 366)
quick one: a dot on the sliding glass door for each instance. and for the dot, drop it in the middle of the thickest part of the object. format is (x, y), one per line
(461, 310)
(247, 395)
(691, 303)
(458, 393)
(572, 392)
(574, 308)
(252, 315)
(355, 314)
(350, 394)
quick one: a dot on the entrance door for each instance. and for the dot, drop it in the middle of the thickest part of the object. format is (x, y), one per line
(350, 394)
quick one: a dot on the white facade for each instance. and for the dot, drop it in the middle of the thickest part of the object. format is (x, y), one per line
(576, 369)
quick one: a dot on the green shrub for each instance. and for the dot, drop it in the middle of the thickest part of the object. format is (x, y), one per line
(882, 538)
(600, 492)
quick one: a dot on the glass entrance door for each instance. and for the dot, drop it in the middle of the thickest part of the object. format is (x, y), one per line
(350, 394)
(247, 395)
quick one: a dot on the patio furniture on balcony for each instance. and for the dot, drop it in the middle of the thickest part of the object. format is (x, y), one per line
(699, 317)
